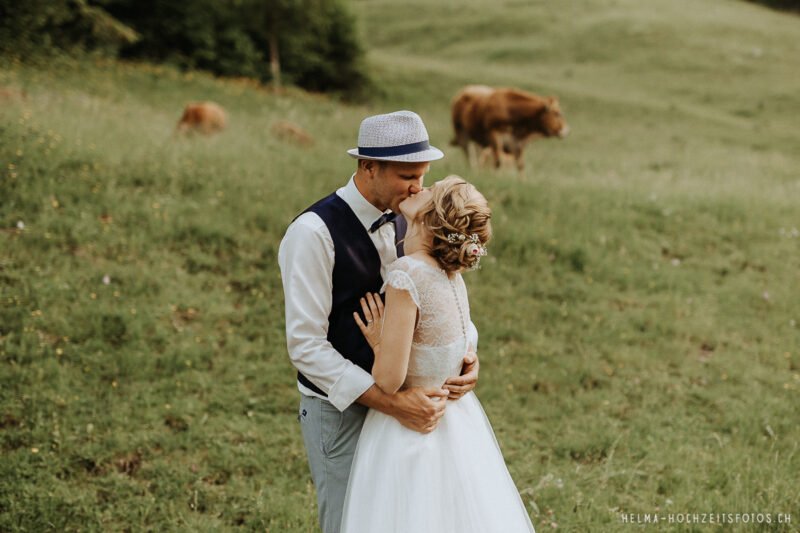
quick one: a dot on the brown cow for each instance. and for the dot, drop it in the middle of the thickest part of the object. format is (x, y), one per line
(204, 117)
(290, 132)
(504, 120)
(10, 94)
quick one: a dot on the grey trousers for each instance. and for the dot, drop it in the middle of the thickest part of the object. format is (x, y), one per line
(330, 437)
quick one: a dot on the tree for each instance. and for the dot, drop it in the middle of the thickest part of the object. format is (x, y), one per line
(311, 43)
(41, 25)
(273, 18)
(788, 5)
(314, 42)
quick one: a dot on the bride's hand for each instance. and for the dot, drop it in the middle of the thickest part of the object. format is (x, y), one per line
(372, 307)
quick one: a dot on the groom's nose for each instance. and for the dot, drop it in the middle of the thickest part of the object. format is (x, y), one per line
(415, 187)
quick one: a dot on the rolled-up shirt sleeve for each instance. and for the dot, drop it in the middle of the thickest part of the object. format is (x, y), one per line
(306, 258)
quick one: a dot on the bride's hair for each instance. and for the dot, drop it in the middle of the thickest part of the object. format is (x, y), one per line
(457, 211)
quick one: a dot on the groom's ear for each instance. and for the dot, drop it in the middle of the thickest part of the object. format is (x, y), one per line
(369, 166)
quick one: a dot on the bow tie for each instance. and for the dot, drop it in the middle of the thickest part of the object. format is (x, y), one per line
(384, 218)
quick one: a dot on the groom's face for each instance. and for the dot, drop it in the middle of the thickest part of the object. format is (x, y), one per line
(394, 182)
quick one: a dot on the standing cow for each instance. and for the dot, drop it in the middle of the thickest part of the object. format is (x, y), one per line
(204, 117)
(504, 120)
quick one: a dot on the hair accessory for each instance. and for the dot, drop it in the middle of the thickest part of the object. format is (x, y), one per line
(474, 246)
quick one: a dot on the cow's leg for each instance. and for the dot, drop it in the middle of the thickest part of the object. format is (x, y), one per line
(468, 150)
(480, 154)
(496, 138)
(516, 150)
(485, 152)
(459, 139)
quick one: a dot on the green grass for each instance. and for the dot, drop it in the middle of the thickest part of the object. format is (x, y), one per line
(638, 311)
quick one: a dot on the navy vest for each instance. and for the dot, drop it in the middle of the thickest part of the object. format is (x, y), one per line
(356, 271)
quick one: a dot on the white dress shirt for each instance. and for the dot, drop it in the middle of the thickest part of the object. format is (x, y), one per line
(306, 258)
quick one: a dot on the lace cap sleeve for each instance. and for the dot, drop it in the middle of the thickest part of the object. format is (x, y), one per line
(399, 278)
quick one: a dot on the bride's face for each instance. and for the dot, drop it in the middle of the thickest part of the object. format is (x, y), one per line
(412, 205)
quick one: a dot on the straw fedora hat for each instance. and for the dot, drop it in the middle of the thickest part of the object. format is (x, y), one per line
(399, 136)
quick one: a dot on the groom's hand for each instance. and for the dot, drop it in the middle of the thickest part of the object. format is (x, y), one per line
(468, 379)
(419, 409)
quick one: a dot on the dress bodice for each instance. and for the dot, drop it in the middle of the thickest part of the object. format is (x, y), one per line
(444, 330)
(453, 478)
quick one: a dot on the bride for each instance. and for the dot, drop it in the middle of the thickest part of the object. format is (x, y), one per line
(453, 479)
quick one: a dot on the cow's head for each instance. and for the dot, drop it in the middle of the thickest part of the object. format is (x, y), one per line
(552, 119)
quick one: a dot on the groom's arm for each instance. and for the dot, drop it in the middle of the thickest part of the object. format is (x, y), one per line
(468, 380)
(416, 409)
(306, 257)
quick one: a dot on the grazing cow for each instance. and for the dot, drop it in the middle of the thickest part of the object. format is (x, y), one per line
(290, 132)
(503, 120)
(203, 117)
(10, 94)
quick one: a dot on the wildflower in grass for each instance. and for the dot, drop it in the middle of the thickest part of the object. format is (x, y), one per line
(676, 262)
(20, 224)
(106, 279)
(765, 295)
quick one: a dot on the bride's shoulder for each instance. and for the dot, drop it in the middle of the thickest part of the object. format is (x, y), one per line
(407, 263)
(415, 266)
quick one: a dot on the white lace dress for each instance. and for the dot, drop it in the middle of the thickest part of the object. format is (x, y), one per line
(454, 479)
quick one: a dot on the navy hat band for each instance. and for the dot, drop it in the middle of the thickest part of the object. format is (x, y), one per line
(391, 151)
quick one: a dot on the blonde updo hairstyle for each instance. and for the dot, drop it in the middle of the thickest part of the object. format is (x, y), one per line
(456, 208)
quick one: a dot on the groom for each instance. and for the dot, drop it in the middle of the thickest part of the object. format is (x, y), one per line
(335, 252)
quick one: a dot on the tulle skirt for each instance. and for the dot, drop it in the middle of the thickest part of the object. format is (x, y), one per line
(453, 479)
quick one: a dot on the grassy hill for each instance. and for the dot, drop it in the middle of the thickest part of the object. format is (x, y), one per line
(638, 311)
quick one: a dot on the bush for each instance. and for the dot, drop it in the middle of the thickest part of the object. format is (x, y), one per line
(204, 34)
(44, 25)
(317, 42)
(788, 5)
(315, 39)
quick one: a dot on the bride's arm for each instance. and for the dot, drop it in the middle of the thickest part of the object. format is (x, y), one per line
(391, 356)
(393, 346)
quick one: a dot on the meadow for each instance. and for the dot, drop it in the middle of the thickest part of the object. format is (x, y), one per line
(638, 311)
